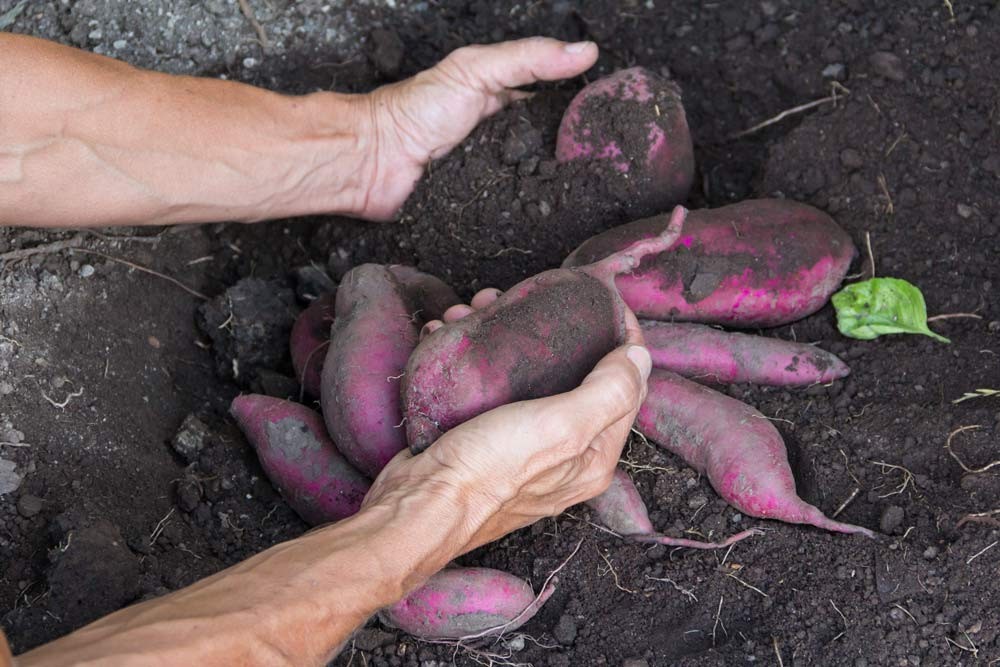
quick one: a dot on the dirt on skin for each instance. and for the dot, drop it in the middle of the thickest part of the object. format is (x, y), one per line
(633, 122)
(101, 365)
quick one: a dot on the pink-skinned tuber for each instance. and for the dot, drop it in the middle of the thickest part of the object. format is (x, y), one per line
(758, 263)
(733, 445)
(539, 338)
(300, 459)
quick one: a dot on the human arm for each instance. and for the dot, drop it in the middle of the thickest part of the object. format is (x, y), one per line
(88, 140)
(297, 602)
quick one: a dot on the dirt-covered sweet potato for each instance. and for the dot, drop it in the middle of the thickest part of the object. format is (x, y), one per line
(622, 511)
(633, 122)
(465, 602)
(761, 262)
(429, 294)
(300, 459)
(310, 336)
(539, 338)
(704, 353)
(378, 321)
(735, 446)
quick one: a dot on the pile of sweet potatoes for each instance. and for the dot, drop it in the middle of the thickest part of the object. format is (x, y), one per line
(383, 387)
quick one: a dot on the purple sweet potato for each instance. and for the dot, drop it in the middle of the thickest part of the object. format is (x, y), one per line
(633, 121)
(736, 447)
(378, 321)
(758, 263)
(310, 336)
(429, 294)
(300, 459)
(464, 603)
(539, 338)
(703, 353)
(622, 511)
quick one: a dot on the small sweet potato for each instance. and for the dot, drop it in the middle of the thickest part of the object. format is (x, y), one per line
(300, 459)
(622, 511)
(704, 353)
(310, 336)
(736, 447)
(378, 321)
(429, 294)
(633, 121)
(758, 263)
(465, 602)
(539, 338)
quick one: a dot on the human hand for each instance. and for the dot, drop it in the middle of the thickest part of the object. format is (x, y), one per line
(415, 121)
(511, 466)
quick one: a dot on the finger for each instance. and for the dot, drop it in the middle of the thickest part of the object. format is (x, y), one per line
(633, 332)
(485, 297)
(430, 328)
(523, 61)
(613, 391)
(456, 312)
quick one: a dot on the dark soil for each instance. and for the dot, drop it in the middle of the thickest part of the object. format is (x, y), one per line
(100, 366)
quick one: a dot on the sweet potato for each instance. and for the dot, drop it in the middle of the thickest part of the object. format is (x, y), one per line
(377, 327)
(429, 294)
(736, 447)
(761, 262)
(634, 122)
(703, 353)
(539, 338)
(310, 336)
(300, 459)
(465, 602)
(621, 510)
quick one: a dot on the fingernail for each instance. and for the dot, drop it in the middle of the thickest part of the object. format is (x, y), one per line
(577, 47)
(639, 356)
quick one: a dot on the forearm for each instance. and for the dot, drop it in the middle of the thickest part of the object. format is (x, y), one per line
(293, 604)
(87, 140)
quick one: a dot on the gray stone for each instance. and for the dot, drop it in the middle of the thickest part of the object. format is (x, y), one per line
(635, 662)
(9, 480)
(190, 438)
(892, 518)
(565, 630)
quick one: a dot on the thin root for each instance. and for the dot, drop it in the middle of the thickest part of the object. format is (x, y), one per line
(785, 114)
(695, 544)
(971, 471)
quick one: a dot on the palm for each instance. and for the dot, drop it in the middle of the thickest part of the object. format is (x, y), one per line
(423, 118)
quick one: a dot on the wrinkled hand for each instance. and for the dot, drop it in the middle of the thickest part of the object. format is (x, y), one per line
(422, 118)
(525, 461)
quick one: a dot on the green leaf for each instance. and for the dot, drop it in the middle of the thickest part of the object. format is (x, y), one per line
(872, 308)
(8, 19)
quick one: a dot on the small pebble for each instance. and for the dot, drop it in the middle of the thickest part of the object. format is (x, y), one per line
(120, 44)
(888, 66)
(29, 505)
(964, 211)
(930, 553)
(834, 71)
(851, 159)
(635, 662)
(565, 630)
(86, 271)
(694, 502)
(249, 63)
(892, 518)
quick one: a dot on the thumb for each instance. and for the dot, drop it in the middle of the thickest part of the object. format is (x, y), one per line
(611, 392)
(521, 62)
